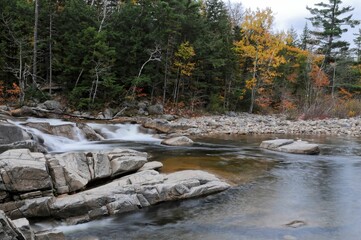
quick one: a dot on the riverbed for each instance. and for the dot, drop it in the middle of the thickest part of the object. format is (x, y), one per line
(273, 195)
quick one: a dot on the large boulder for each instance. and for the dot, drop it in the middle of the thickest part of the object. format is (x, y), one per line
(23, 171)
(14, 137)
(178, 141)
(291, 146)
(73, 171)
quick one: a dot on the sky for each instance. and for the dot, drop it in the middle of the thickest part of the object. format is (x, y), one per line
(293, 13)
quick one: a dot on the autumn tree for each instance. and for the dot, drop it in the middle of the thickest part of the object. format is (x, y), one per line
(259, 48)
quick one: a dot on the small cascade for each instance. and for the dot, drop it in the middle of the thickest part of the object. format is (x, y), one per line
(124, 132)
(76, 140)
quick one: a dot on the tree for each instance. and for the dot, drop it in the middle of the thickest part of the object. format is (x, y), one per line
(15, 43)
(184, 66)
(330, 23)
(259, 48)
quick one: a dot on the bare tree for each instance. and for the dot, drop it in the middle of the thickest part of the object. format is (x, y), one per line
(35, 48)
(235, 11)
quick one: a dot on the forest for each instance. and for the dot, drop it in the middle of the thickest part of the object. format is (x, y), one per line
(189, 55)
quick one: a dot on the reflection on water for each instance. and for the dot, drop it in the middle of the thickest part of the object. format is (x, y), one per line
(270, 191)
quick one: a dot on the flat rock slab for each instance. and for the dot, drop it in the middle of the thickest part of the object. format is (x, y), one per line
(291, 146)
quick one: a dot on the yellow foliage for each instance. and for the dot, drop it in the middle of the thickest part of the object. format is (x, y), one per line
(183, 56)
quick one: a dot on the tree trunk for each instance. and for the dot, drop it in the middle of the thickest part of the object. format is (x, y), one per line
(50, 49)
(35, 48)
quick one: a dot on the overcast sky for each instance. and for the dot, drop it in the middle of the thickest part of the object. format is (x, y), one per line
(293, 12)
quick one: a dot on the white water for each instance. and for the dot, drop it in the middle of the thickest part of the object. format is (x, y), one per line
(126, 132)
(114, 132)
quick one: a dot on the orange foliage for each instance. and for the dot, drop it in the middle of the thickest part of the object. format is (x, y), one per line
(263, 102)
(319, 77)
(9, 94)
(345, 94)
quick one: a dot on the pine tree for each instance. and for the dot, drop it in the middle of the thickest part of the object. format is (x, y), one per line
(330, 23)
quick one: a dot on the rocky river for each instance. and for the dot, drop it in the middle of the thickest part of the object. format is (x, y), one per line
(89, 168)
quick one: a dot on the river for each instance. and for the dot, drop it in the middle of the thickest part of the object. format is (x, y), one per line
(273, 195)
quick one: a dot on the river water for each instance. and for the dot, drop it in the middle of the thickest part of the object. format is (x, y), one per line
(273, 195)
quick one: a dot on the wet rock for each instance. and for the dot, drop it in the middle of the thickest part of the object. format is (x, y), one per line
(159, 125)
(290, 146)
(13, 137)
(11, 133)
(89, 133)
(64, 130)
(50, 235)
(178, 141)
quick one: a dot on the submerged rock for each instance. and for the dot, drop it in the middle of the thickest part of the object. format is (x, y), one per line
(178, 141)
(291, 146)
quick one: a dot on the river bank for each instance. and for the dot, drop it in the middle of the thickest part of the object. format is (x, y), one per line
(244, 124)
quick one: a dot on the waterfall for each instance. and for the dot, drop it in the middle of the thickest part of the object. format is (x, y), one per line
(115, 132)
(125, 132)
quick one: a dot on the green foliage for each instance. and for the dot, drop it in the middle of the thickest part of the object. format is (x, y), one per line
(96, 54)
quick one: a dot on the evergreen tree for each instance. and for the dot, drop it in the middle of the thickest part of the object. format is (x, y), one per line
(330, 23)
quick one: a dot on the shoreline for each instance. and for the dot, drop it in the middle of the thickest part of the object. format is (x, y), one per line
(251, 124)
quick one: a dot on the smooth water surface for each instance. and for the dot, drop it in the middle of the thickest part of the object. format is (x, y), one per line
(271, 191)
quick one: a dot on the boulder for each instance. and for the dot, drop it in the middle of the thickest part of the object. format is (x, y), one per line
(178, 141)
(128, 193)
(53, 105)
(156, 109)
(160, 125)
(133, 192)
(24, 227)
(290, 146)
(89, 132)
(23, 171)
(64, 130)
(11, 134)
(73, 171)
(69, 171)
(8, 230)
(126, 160)
(50, 235)
(14, 137)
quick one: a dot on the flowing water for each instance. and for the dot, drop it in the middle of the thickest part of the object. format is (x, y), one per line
(273, 195)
